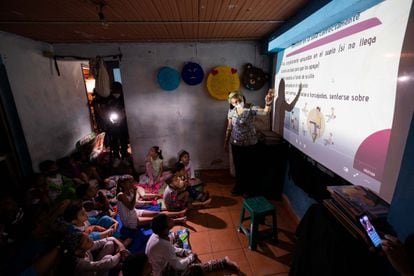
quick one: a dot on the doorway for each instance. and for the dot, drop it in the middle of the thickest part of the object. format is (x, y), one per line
(107, 114)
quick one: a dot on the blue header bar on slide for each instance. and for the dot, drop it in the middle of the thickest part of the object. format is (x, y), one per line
(331, 13)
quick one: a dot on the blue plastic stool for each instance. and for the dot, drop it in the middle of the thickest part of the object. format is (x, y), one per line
(258, 208)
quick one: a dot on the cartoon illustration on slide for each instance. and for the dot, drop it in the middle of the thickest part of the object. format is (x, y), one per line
(305, 109)
(332, 115)
(329, 140)
(292, 120)
(281, 105)
(316, 123)
(303, 129)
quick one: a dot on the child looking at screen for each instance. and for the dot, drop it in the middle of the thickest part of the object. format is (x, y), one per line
(184, 157)
(132, 217)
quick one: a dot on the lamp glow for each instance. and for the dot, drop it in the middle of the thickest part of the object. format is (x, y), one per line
(113, 117)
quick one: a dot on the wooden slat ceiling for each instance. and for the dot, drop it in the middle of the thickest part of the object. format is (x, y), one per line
(58, 21)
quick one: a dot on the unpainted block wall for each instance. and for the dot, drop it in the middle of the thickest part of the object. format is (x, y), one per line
(52, 109)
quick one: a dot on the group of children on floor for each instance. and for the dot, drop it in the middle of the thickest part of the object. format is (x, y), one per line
(68, 220)
(181, 191)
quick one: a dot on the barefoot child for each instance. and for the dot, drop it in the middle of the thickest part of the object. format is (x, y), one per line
(169, 260)
(130, 216)
(175, 196)
(184, 157)
(154, 168)
(194, 193)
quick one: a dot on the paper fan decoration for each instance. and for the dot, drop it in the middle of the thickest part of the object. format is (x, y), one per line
(221, 81)
(192, 73)
(168, 78)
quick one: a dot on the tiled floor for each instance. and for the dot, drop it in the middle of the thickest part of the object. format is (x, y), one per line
(213, 232)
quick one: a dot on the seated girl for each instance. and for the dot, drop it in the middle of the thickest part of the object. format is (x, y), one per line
(129, 215)
(154, 170)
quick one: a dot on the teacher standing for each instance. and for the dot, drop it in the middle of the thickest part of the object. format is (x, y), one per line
(241, 134)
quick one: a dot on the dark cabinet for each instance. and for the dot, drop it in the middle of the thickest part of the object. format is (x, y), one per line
(272, 165)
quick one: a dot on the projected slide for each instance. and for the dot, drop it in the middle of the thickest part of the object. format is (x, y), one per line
(343, 115)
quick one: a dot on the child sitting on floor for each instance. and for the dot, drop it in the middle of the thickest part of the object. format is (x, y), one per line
(37, 194)
(145, 198)
(95, 202)
(59, 187)
(194, 193)
(154, 170)
(184, 157)
(129, 215)
(82, 256)
(175, 196)
(169, 260)
(96, 227)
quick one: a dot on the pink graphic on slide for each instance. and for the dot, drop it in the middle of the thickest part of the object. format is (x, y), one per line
(359, 27)
(371, 154)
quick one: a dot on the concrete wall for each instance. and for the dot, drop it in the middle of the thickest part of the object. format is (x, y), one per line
(52, 109)
(187, 118)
